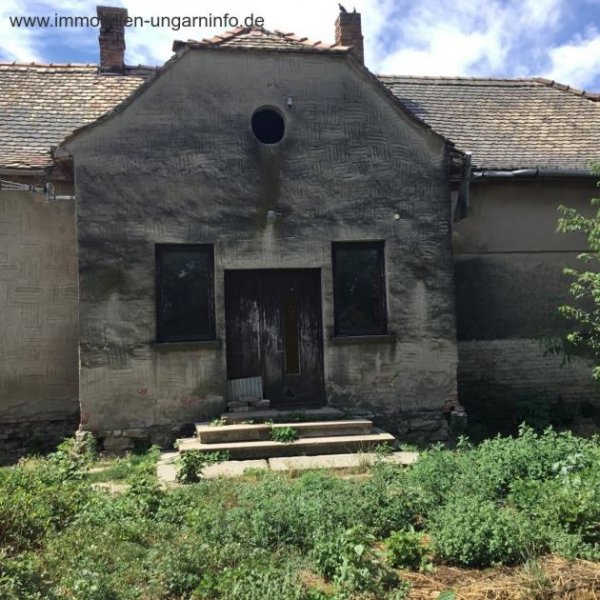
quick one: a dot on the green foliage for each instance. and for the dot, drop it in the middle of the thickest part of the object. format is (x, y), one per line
(535, 410)
(128, 467)
(447, 595)
(191, 463)
(39, 497)
(405, 549)
(284, 435)
(585, 283)
(347, 559)
(23, 578)
(478, 533)
(503, 501)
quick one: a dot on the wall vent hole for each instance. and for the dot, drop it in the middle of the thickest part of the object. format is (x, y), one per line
(268, 126)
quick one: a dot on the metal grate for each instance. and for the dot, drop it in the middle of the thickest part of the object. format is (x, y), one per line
(249, 386)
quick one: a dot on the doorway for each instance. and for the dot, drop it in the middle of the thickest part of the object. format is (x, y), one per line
(274, 330)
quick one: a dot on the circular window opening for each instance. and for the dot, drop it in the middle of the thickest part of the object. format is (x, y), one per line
(268, 126)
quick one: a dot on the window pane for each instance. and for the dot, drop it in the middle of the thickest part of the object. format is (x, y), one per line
(359, 288)
(185, 308)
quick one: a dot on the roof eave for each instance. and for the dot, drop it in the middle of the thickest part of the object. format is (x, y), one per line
(529, 173)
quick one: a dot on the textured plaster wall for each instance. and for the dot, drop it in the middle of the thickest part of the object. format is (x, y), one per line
(38, 322)
(181, 164)
(509, 282)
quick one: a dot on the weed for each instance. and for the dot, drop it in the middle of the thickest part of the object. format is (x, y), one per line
(475, 532)
(349, 561)
(284, 435)
(504, 501)
(405, 549)
(537, 585)
(191, 463)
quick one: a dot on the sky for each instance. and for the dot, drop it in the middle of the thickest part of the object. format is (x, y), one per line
(558, 39)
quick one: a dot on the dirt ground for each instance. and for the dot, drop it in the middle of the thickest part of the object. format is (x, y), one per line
(550, 578)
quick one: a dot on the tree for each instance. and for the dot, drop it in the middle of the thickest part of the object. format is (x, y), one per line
(584, 311)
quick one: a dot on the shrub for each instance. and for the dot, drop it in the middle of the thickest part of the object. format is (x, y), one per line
(347, 558)
(23, 578)
(38, 497)
(405, 549)
(276, 511)
(390, 500)
(475, 532)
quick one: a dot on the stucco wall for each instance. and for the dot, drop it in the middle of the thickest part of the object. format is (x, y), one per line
(509, 261)
(181, 164)
(38, 320)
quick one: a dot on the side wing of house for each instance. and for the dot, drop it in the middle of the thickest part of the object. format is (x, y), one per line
(532, 142)
(509, 275)
(39, 402)
(320, 262)
(38, 320)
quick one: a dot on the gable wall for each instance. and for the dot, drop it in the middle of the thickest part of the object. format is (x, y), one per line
(182, 165)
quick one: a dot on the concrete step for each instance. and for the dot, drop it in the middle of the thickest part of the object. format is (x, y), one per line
(302, 447)
(208, 434)
(324, 413)
(166, 469)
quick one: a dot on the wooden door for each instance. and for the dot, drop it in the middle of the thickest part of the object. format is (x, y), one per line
(274, 329)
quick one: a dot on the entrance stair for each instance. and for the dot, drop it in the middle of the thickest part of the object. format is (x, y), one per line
(316, 434)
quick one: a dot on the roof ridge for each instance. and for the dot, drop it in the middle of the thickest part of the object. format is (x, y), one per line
(227, 36)
(41, 64)
(58, 65)
(459, 78)
(595, 96)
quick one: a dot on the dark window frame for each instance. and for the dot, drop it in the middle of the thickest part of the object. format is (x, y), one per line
(161, 336)
(378, 245)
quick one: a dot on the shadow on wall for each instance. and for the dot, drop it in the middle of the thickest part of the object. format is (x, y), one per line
(505, 411)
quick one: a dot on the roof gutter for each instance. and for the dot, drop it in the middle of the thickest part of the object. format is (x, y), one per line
(518, 173)
(16, 172)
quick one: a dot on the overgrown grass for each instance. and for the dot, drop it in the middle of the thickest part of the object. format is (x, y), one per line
(124, 469)
(507, 501)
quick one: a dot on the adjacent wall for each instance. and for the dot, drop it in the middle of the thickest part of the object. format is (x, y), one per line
(508, 268)
(38, 323)
(181, 165)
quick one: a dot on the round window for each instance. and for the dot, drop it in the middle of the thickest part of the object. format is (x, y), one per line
(268, 126)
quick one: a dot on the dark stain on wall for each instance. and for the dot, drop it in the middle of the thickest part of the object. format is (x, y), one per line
(501, 298)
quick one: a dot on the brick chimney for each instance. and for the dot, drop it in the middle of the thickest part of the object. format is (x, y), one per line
(112, 38)
(348, 32)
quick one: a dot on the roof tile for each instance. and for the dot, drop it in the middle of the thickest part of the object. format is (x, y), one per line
(41, 104)
(507, 123)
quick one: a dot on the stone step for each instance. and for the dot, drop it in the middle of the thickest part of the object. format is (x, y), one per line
(208, 434)
(324, 413)
(302, 447)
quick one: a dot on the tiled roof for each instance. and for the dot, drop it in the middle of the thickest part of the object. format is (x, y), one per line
(259, 37)
(507, 123)
(41, 104)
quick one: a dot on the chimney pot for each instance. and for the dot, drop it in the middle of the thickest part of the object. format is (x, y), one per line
(112, 38)
(348, 32)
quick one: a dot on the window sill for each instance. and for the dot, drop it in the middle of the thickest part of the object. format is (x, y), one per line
(386, 338)
(199, 345)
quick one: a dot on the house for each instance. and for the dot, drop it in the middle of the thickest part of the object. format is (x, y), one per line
(531, 143)
(379, 244)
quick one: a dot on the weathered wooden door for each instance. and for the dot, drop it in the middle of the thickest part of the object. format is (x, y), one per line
(274, 329)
